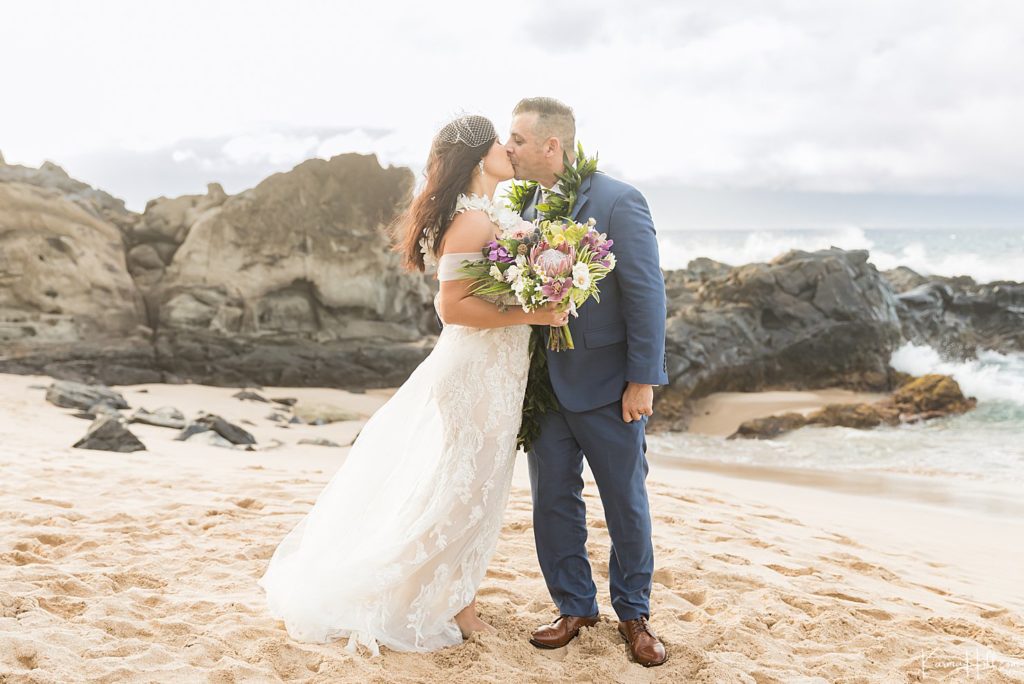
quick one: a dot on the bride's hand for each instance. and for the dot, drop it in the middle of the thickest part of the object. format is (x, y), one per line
(550, 315)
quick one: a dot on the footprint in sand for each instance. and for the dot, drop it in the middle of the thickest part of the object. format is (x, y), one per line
(840, 595)
(517, 526)
(51, 502)
(771, 516)
(62, 606)
(802, 604)
(52, 539)
(731, 559)
(854, 563)
(21, 558)
(840, 539)
(498, 573)
(695, 595)
(790, 572)
(874, 613)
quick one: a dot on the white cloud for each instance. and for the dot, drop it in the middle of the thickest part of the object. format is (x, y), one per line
(910, 96)
(274, 147)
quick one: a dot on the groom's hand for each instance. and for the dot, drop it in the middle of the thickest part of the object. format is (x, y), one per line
(637, 400)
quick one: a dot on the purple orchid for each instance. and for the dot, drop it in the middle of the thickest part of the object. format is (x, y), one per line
(557, 289)
(598, 243)
(496, 252)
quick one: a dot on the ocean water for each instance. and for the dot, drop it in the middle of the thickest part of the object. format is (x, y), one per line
(985, 446)
(983, 254)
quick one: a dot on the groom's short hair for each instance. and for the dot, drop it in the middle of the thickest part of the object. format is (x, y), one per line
(554, 119)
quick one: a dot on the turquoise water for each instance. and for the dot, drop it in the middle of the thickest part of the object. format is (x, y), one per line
(985, 445)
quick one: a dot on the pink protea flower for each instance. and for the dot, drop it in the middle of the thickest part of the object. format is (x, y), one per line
(554, 262)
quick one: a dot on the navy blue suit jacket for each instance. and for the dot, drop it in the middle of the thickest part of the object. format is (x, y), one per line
(621, 338)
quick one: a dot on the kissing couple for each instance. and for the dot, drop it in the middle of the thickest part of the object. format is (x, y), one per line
(394, 549)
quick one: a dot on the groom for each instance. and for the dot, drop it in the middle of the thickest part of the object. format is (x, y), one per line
(605, 394)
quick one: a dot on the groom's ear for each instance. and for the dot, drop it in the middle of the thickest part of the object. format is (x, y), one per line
(553, 147)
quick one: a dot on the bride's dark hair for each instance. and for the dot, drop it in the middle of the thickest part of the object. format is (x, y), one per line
(454, 155)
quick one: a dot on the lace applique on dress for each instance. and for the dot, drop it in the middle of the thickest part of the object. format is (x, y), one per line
(500, 213)
(497, 211)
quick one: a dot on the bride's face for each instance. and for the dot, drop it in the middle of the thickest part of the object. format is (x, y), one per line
(496, 162)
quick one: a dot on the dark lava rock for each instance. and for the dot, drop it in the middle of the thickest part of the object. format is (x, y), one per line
(319, 441)
(165, 416)
(246, 395)
(67, 394)
(109, 434)
(772, 426)
(804, 320)
(228, 431)
(958, 317)
(924, 398)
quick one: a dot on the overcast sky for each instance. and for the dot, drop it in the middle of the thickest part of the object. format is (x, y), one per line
(918, 99)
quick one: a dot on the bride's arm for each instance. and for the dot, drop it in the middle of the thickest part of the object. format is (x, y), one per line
(469, 232)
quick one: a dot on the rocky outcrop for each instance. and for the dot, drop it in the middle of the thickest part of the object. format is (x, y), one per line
(53, 181)
(63, 274)
(290, 282)
(924, 398)
(803, 320)
(957, 316)
(294, 282)
(160, 231)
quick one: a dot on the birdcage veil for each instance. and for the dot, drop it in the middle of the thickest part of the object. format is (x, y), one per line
(472, 130)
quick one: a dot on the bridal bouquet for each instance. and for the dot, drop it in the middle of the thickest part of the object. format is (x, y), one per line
(558, 261)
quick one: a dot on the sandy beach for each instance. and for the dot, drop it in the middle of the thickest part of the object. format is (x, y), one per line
(719, 414)
(142, 567)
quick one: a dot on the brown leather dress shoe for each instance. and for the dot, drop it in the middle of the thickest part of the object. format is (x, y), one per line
(564, 629)
(644, 644)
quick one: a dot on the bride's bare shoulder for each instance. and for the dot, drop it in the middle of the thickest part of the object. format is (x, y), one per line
(469, 231)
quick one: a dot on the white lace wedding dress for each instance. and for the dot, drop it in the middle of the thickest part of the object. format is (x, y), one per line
(400, 538)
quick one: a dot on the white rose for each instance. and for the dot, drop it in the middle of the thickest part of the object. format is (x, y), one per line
(581, 276)
(496, 272)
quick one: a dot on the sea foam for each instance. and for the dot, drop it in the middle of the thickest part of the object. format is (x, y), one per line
(992, 376)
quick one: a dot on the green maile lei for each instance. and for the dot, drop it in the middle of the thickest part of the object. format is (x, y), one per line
(540, 395)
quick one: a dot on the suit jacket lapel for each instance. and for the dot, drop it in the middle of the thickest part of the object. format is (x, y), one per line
(581, 197)
(530, 210)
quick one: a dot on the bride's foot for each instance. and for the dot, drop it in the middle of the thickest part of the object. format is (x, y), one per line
(469, 622)
(474, 625)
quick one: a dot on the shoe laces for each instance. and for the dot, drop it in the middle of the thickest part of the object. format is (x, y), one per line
(643, 626)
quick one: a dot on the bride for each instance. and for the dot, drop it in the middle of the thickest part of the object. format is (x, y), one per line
(397, 543)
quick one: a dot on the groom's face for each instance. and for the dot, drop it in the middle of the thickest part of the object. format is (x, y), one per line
(525, 149)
